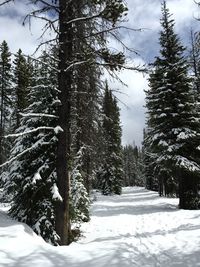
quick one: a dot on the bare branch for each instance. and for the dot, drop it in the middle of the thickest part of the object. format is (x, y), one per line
(45, 43)
(121, 66)
(198, 3)
(35, 13)
(40, 61)
(6, 2)
(54, 7)
(124, 45)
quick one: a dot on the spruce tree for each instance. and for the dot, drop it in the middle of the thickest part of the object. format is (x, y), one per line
(133, 166)
(79, 197)
(194, 62)
(101, 17)
(21, 79)
(32, 173)
(174, 127)
(110, 174)
(6, 98)
(151, 181)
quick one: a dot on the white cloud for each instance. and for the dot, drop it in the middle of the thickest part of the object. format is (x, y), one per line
(131, 104)
(16, 35)
(146, 14)
(142, 14)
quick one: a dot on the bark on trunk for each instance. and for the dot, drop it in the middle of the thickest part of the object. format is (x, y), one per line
(64, 138)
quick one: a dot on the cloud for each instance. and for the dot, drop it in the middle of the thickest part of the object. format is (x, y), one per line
(131, 103)
(142, 14)
(146, 14)
(18, 36)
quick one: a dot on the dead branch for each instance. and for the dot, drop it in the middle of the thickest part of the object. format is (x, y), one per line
(6, 2)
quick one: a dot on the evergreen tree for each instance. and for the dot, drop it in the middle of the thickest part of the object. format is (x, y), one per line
(101, 17)
(133, 166)
(151, 181)
(5, 98)
(79, 204)
(110, 173)
(194, 62)
(174, 127)
(32, 179)
(21, 79)
(107, 15)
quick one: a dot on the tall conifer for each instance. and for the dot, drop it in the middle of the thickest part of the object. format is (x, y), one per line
(21, 79)
(172, 118)
(32, 173)
(5, 98)
(110, 175)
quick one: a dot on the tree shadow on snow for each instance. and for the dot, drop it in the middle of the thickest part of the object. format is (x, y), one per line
(140, 203)
(102, 211)
(45, 256)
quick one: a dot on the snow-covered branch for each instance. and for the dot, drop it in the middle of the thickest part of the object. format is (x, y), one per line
(38, 115)
(84, 18)
(56, 130)
(76, 64)
(14, 158)
(24, 152)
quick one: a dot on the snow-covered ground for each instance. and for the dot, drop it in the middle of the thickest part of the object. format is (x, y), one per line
(135, 229)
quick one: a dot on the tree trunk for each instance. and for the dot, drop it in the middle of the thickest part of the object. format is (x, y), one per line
(63, 228)
(188, 191)
(160, 186)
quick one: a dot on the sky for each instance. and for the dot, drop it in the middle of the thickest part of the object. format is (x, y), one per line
(143, 15)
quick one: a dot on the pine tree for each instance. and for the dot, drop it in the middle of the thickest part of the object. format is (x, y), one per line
(32, 179)
(85, 102)
(80, 203)
(194, 62)
(21, 79)
(5, 98)
(109, 13)
(151, 181)
(174, 127)
(133, 166)
(110, 173)
(101, 17)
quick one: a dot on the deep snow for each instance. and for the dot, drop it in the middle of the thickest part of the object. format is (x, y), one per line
(135, 229)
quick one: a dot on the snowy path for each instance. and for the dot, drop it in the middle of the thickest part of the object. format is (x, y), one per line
(135, 229)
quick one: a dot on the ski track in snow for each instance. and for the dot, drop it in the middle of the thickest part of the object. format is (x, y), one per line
(137, 228)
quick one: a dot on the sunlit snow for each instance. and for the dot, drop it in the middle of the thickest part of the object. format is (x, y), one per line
(137, 228)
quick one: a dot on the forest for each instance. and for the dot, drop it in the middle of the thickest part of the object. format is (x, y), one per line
(62, 162)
